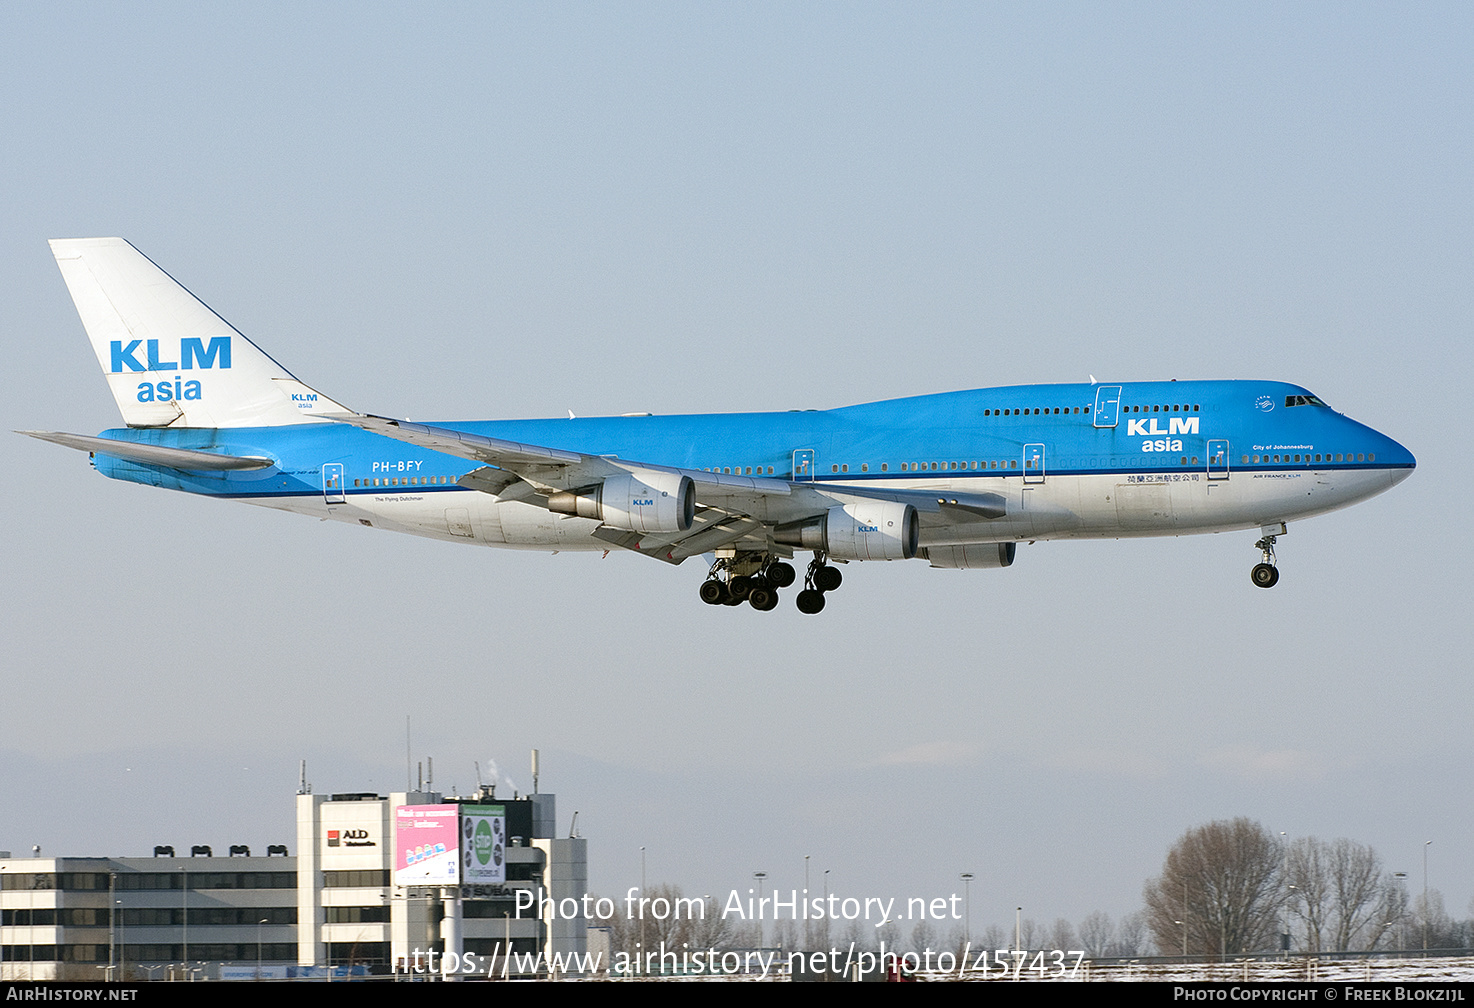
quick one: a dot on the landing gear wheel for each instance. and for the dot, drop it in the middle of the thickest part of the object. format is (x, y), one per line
(754, 577)
(1265, 575)
(763, 599)
(827, 578)
(782, 575)
(810, 601)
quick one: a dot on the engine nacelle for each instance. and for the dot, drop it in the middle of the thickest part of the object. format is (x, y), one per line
(973, 556)
(640, 501)
(864, 530)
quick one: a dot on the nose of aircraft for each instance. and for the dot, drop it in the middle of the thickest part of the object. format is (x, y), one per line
(1398, 475)
(1400, 461)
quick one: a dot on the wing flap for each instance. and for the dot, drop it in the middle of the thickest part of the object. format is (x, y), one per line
(711, 530)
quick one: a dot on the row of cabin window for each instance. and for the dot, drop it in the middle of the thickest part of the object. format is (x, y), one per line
(403, 481)
(1327, 457)
(865, 467)
(1036, 412)
(1056, 411)
(884, 467)
(933, 466)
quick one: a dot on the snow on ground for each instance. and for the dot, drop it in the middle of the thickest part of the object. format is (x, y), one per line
(1419, 970)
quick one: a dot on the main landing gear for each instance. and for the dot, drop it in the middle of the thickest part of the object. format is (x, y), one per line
(755, 578)
(1266, 574)
(819, 578)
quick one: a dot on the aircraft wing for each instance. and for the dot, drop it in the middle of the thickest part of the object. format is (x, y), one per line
(730, 509)
(552, 468)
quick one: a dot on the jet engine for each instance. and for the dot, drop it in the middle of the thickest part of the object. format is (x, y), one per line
(640, 501)
(864, 530)
(973, 556)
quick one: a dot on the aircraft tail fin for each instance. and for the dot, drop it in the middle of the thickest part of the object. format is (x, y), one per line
(169, 360)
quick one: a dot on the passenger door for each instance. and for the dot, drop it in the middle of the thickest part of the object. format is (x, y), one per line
(332, 483)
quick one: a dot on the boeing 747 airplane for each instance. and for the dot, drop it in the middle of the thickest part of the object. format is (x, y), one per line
(957, 479)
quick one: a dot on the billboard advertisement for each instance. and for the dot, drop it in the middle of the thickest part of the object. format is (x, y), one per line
(426, 845)
(483, 844)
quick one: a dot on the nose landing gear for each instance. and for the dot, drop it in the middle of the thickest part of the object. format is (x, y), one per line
(1266, 574)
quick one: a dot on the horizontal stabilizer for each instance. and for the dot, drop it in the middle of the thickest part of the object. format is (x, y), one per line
(175, 458)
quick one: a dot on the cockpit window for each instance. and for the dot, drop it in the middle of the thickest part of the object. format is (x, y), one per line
(1303, 400)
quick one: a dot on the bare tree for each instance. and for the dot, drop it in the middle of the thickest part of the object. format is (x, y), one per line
(1392, 915)
(1097, 933)
(1061, 935)
(1130, 935)
(672, 923)
(994, 936)
(1341, 896)
(1431, 925)
(860, 939)
(1223, 881)
(1359, 885)
(1309, 890)
(712, 930)
(923, 937)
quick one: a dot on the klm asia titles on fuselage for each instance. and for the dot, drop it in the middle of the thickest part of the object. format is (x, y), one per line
(957, 479)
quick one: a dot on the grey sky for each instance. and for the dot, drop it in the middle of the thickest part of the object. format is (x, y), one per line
(492, 211)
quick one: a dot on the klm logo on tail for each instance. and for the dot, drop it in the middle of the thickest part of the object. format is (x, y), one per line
(192, 352)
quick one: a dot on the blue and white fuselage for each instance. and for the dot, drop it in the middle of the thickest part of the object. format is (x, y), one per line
(956, 478)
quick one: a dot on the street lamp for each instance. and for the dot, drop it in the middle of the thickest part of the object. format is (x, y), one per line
(806, 902)
(112, 923)
(643, 960)
(1285, 928)
(826, 908)
(1290, 896)
(122, 941)
(967, 903)
(1401, 877)
(1425, 898)
(184, 911)
(760, 875)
